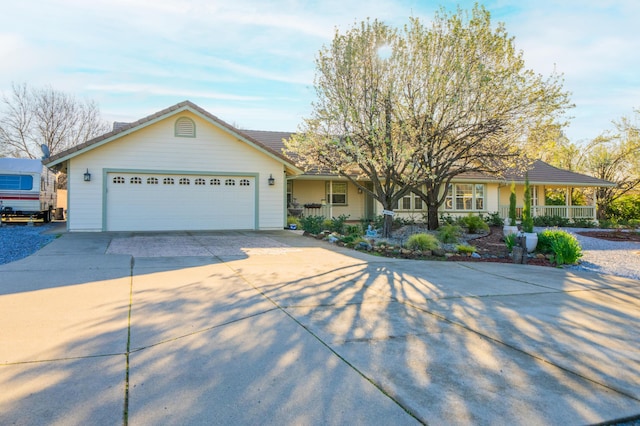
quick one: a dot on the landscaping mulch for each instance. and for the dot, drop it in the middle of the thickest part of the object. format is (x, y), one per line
(617, 235)
(491, 248)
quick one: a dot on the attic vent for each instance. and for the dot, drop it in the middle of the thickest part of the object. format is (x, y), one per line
(185, 128)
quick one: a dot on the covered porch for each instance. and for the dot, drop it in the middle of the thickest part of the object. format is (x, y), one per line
(554, 193)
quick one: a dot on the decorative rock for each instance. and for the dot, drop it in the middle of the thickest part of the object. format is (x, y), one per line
(405, 251)
(438, 252)
(475, 255)
(364, 246)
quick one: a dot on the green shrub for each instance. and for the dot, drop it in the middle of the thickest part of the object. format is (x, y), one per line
(625, 208)
(566, 251)
(422, 242)
(510, 241)
(527, 219)
(549, 221)
(564, 246)
(474, 224)
(353, 230)
(465, 249)
(336, 224)
(494, 219)
(312, 224)
(583, 223)
(634, 223)
(512, 205)
(449, 233)
(445, 218)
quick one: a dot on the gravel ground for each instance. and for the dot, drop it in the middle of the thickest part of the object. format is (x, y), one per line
(606, 257)
(18, 241)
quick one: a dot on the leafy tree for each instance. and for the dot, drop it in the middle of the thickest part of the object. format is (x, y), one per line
(30, 117)
(352, 130)
(614, 157)
(447, 99)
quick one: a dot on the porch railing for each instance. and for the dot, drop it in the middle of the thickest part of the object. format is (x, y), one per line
(568, 212)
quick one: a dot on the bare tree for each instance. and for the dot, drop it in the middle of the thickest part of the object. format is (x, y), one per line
(31, 117)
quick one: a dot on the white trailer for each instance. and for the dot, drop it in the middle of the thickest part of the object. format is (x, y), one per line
(27, 190)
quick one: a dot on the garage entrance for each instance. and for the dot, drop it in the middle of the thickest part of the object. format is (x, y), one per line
(172, 202)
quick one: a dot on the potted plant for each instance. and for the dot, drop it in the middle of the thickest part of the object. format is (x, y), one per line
(512, 227)
(527, 220)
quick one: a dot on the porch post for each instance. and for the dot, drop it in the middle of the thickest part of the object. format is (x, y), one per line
(595, 205)
(330, 199)
(567, 201)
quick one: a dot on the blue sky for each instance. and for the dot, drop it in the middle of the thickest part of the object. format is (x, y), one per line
(251, 62)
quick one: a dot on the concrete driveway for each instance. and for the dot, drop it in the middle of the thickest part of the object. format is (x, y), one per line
(275, 328)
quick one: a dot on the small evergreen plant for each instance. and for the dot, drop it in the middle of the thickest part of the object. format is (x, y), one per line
(527, 220)
(512, 205)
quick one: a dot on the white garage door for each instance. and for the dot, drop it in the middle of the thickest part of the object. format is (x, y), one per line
(159, 202)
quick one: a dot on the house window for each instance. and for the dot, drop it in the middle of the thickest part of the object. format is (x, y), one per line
(185, 181)
(185, 128)
(230, 182)
(214, 182)
(409, 202)
(16, 182)
(118, 179)
(135, 180)
(152, 181)
(289, 192)
(245, 182)
(168, 181)
(200, 181)
(338, 192)
(465, 196)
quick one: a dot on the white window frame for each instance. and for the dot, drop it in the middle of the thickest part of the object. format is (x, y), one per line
(458, 199)
(338, 192)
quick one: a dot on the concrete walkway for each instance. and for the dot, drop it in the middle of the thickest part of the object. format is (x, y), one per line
(275, 328)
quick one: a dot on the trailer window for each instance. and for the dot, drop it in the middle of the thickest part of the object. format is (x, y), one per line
(16, 182)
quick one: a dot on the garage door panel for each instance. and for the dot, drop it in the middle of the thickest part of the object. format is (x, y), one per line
(152, 203)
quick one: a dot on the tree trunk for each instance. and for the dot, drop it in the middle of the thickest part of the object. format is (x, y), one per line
(432, 217)
(387, 226)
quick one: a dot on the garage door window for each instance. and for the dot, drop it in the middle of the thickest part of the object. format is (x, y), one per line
(152, 181)
(118, 179)
(244, 182)
(136, 180)
(230, 182)
(168, 181)
(215, 182)
(185, 181)
(200, 181)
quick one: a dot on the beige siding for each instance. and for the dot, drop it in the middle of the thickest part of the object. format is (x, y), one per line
(155, 148)
(314, 191)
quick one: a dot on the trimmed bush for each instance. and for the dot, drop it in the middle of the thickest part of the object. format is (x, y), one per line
(474, 224)
(494, 219)
(565, 247)
(550, 221)
(422, 242)
(312, 224)
(449, 233)
(584, 223)
(465, 249)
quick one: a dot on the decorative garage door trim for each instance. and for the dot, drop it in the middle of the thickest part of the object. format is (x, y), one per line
(193, 177)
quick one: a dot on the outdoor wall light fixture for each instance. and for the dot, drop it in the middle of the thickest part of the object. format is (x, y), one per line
(87, 176)
(272, 181)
